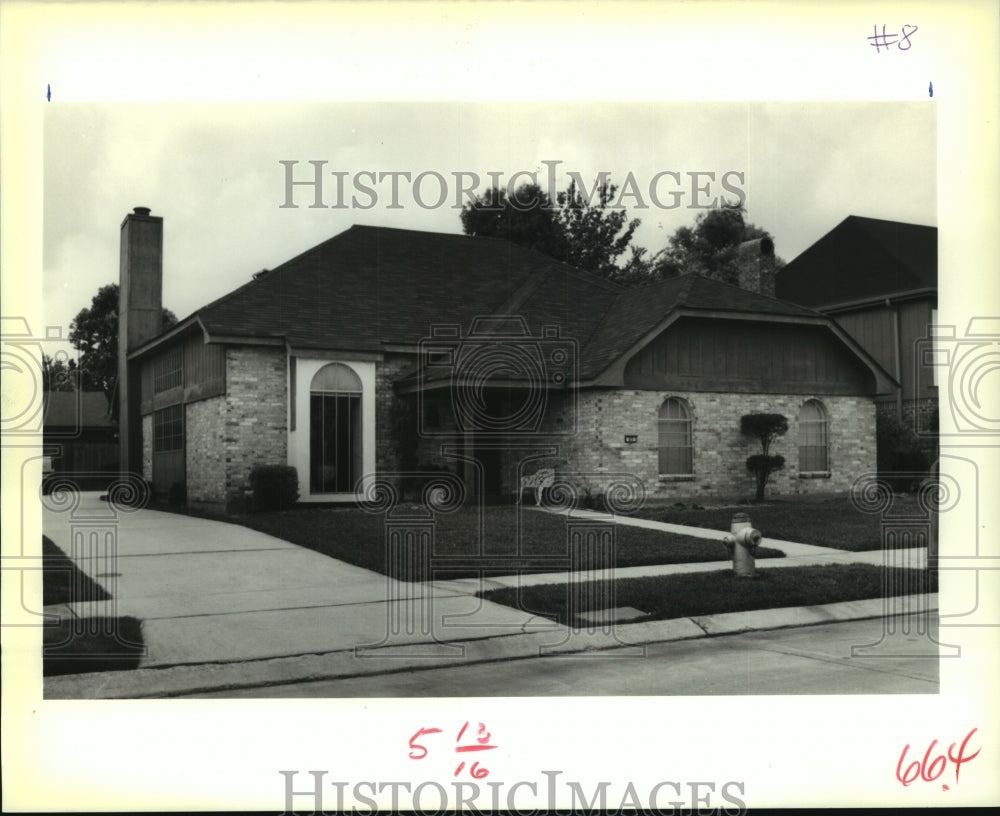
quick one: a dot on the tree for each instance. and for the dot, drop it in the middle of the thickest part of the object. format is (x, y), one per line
(710, 247)
(60, 373)
(94, 333)
(589, 232)
(766, 427)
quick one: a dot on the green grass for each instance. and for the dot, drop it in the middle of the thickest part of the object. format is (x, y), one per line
(80, 645)
(59, 574)
(708, 593)
(358, 537)
(92, 645)
(826, 523)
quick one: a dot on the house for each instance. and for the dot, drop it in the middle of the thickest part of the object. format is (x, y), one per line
(878, 280)
(79, 438)
(381, 351)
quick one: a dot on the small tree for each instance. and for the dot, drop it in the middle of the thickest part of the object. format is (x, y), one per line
(766, 427)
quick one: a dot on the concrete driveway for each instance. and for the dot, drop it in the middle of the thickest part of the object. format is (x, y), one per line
(207, 591)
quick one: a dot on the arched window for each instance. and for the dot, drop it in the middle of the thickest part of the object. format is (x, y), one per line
(813, 438)
(335, 455)
(674, 438)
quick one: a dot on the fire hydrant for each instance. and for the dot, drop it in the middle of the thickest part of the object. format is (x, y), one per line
(742, 543)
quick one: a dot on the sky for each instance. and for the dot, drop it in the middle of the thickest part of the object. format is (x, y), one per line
(214, 173)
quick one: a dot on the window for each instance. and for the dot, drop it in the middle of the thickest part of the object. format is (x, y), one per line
(335, 424)
(674, 438)
(168, 429)
(167, 372)
(813, 438)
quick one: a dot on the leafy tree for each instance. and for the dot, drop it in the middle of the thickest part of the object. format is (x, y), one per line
(526, 217)
(59, 373)
(94, 333)
(588, 232)
(710, 247)
(596, 236)
(767, 428)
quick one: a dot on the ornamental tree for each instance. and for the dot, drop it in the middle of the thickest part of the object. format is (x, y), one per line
(766, 427)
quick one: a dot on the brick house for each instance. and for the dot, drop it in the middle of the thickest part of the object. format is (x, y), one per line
(381, 351)
(878, 280)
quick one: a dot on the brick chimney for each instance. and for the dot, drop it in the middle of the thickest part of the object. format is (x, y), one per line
(755, 260)
(140, 317)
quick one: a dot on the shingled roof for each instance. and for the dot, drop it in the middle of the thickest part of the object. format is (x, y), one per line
(370, 288)
(862, 258)
(76, 409)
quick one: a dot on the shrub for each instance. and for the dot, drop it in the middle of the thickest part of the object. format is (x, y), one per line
(903, 458)
(177, 493)
(275, 487)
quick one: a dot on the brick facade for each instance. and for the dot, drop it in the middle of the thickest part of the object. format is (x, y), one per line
(391, 415)
(605, 416)
(206, 458)
(147, 447)
(256, 420)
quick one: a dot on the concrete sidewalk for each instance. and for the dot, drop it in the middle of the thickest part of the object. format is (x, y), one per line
(223, 606)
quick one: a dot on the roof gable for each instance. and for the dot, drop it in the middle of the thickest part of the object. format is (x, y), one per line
(862, 258)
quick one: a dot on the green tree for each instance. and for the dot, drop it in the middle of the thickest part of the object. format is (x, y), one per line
(589, 232)
(710, 247)
(60, 373)
(767, 428)
(94, 333)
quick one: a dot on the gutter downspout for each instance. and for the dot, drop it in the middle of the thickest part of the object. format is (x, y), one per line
(897, 359)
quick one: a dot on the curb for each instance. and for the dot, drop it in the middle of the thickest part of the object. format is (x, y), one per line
(175, 681)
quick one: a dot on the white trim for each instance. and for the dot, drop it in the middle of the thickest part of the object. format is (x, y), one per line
(298, 440)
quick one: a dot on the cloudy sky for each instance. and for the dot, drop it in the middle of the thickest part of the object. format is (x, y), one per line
(213, 173)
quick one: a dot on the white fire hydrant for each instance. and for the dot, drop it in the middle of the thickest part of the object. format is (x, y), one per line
(742, 543)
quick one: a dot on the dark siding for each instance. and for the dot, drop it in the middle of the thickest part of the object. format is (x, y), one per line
(874, 330)
(204, 374)
(747, 357)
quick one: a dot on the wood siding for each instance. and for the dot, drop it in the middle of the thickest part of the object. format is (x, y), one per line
(748, 357)
(204, 374)
(874, 329)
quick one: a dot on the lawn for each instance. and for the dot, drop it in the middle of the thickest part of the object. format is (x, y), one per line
(83, 644)
(358, 537)
(824, 522)
(664, 597)
(59, 574)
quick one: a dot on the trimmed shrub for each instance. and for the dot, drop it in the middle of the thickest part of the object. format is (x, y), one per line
(903, 458)
(275, 487)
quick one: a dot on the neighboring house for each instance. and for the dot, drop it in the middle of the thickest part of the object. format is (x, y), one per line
(383, 350)
(79, 439)
(878, 280)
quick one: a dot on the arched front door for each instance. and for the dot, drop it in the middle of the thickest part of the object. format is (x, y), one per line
(335, 423)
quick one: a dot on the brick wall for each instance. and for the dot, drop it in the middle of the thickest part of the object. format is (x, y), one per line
(205, 452)
(605, 416)
(256, 418)
(147, 447)
(388, 422)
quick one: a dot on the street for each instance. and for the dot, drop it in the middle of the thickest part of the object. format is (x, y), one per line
(802, 660)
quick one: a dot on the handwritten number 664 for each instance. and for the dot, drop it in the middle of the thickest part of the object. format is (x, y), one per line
(930, 769)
